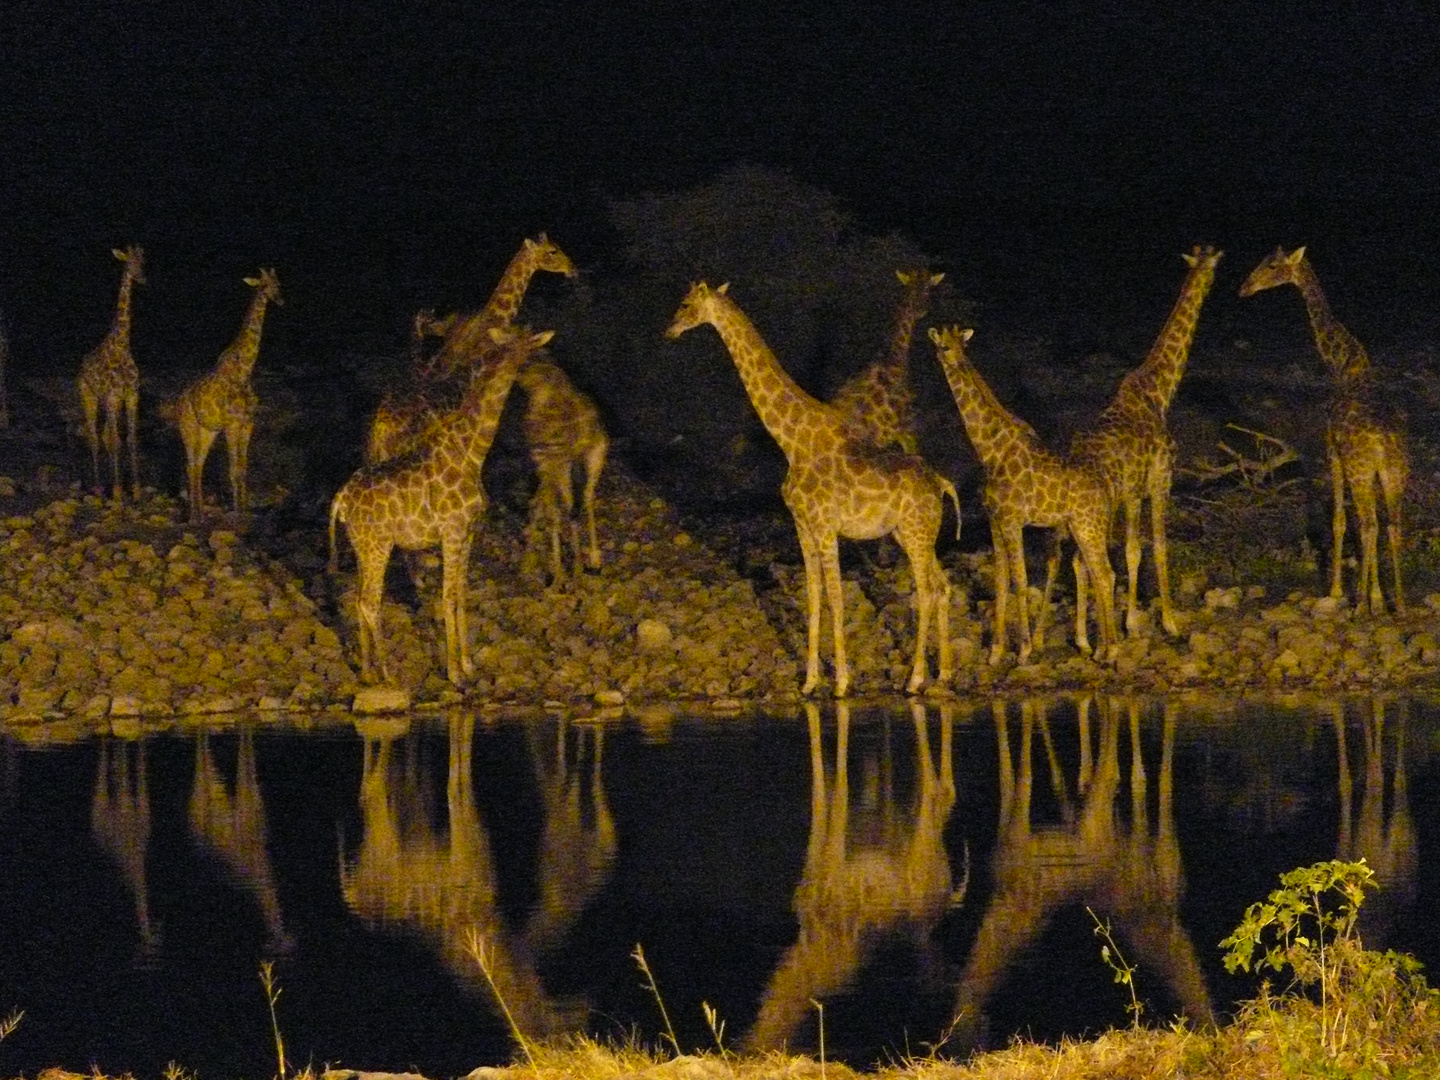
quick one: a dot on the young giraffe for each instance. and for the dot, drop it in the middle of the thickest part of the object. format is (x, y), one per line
(402, 420)
(834, 488)
(877, 402)
(430, 495)
(223, 401)
(1026, 484)
(562, 427)
(1131, 446)
(1363, 441)
(109, 379)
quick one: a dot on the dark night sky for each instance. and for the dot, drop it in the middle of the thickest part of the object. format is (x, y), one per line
(393, 150)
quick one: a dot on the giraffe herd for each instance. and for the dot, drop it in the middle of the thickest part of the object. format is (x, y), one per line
(853, 464)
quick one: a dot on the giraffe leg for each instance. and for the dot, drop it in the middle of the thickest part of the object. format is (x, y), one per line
(90, 407)
(237, 445)
(920, 560)
(548, 505)
(594, 465)
(566, 491)
(1002, 592)
(1362, 493)
(1022, 592)
(454, 555)
(1161, 475)
(372, 555)
(835, 592)
(814, 585)
(1082, 603)
(1052, 565)
(1132, 565)
(132, 417)
(1392, 485)
(198, 441)
(1337, 520)
(1102, 582)
(111, 438)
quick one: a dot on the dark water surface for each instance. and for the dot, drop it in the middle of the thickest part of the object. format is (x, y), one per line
(899, 864)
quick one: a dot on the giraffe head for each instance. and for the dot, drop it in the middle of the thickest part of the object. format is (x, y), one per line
(542, 254)
(1277, 269)
(428, 324)
(1204, 259)
(910, 277)
(950, 345)
(134, 259)
(267, 285)
(698, 307)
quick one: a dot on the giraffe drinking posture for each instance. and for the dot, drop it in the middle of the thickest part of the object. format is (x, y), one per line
(562, 428)
(430, 495)
(835, 487)
(1131, 446)
(109, 379)
(1026, 484)
(1364, 441)
(404, 419)
(878, 403)
(223, 401)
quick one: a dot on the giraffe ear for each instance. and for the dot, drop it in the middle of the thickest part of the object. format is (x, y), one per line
(935, 334)
(121, 255)
(935, 279)
(905, 277)
(253, 282)
(967, 334)
(1192, 259)
(1295, 256)
(723, 289)
(541, 338)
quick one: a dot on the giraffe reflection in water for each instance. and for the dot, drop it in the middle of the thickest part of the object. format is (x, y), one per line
(875, 871)
(577, 841)
(120, 824)
(1121, 869)
(232, 827)
(442, 885)
(1387, 842)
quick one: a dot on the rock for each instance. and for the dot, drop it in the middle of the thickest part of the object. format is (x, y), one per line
(381, 699)
(652, 636)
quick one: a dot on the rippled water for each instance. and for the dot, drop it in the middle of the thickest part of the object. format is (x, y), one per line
(900, 864)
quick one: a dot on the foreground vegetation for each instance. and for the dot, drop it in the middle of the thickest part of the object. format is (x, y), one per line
(1345, 1011)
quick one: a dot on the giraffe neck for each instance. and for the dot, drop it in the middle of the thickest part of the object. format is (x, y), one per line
(1158, 377)
(989, 424)
(1341, 350)
(120, 328)
(472, 429)
(910, 312)
(239, 358)
(504, 302)
(784, 408)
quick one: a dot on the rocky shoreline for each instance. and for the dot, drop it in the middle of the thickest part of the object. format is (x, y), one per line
(112, 612)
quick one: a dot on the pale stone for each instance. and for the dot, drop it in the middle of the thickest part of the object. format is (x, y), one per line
(381, 699)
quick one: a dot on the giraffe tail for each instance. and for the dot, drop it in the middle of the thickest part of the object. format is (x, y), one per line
(949, 489)
(337, 513)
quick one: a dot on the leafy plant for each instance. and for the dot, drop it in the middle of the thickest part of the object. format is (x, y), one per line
(1115, 960)
(1308, 925)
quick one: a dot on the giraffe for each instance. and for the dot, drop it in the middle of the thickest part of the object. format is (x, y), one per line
(1131, 446)
(223, 401)
(835, 488)
(562, 427)
(1026, 484)
(1364, 442)
(427, 324)
(110, 380)
(404, 419)
(430, 495)
(877, 402)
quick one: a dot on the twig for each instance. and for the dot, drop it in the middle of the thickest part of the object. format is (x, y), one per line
(1271, 453)
(479, 948)
(272, 994)
(639, 957)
